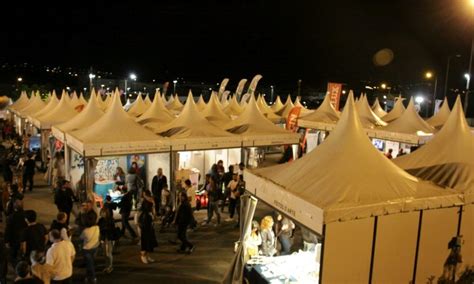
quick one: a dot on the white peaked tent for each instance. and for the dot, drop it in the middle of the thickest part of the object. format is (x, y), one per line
(82, 100)
(304, 110)
(367, 117)
(441, 116)
(175, 104)
(201, 104)
(63, 112)
(156, 115)
(20, 103)
(35, 104)
(378, 110)
(325, 116)
(287, 107)
(88, 116)
(257, 130)
(115, 133)
(138, 107)
(396, 112)
(213, 111)
(147, 100)
(410, 122)
(53, 102)
(233, 108)
(448, 158)
(74, 98)
(277, 105)
(351, 194)
(192, 131)
(266, 110)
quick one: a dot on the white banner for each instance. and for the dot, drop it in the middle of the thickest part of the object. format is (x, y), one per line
(240, 88)
(253, 84)
(437, 105)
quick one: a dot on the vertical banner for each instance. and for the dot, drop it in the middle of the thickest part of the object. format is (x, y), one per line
(253, 84)
(292, 119)
(165, 88)
(240, 88)
(437, 106)
(222, 87)
(334, 90)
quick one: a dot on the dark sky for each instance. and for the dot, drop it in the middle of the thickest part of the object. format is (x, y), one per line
(208, 40)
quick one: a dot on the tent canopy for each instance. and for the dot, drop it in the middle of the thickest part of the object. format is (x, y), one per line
(256, 129)
(175, 104)
(378, 110)
(277, 105)
(53, 102)
(287, 107)
(88, 116)
(441, 116)
(304, 110)
(115, 133)
(138, 107)
(192, 131)
(157, 114)
(20, 103)
(344, 178)
(325, 113)
(448, 159)
(34, 105)
(63, 112)
(367, 117)
(233, 108)
(201, 104)
(396, 112)
(410, 122)
(213, 111)
(266, 110)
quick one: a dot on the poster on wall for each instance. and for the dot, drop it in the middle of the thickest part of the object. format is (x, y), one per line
(140, 159)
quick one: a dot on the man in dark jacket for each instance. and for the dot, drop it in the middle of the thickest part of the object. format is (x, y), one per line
(157, 184)
(125, 206)
(64, 198)
(29, 172)
(184, 217)
(15, 226)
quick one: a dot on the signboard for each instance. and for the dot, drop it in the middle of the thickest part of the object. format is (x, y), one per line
(335, 90)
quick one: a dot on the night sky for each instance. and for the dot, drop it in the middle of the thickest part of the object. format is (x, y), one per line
(208, 40)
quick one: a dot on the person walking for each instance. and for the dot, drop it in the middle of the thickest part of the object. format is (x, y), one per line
(28, 172)
(64, 198)
(214, 197)
(134, 184)
(184, 218)
(157, 184)
(125, 206)
(60, 256)
(34, 236)
(147, 235)
(90, 237)
(191, 193)
(14, 228)
(107, 237)
(233, 188)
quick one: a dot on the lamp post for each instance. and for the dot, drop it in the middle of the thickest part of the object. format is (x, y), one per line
(447, 73)
(91, 76)
(429, 76)
(299, 87)
(271, 93)
(174, 86)
(132, 77)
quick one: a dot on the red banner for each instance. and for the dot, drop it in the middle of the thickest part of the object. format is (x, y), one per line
(335, 90)
(292, 119)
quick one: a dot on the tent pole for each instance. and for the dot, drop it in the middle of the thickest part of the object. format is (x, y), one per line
(372, 255)
(322, 255)
(458, 233)
(171, 169)
(420, 222)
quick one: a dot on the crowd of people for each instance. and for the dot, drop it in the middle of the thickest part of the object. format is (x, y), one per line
(41, 254)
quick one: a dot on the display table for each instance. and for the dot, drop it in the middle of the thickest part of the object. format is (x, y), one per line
(299, 267)
(102, 188)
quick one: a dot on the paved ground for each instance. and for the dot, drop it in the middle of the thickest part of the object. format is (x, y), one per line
(208, 263)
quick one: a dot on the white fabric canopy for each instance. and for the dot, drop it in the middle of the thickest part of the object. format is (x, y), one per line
(201, 104)
(344, 178)
(82, 99)
(138, 107)
(378, 110)
(20, 103)
(441, 116)
(53, 102)
(34, 105)
(410, 122)
(157, 114)
(367, 117)
(304, 110)
(175, 104)
(192, 131)
(397, 110)
(63, 112)
(147, 100)
(266, 110)
(115, 133)
(325, 114)
(277, 105)
(448, 159)
(233, 108)
(213, 111)
(257, 130)
(287, 107)
(88, 116)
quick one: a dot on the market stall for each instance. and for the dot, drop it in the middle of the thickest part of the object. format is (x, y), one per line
(138, 107)
(378, 110)
(277, 105)
(397, 110)
(157, 114)
(438, 120)
(348, 193)
(447, 160)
